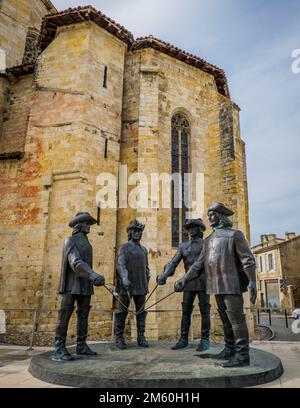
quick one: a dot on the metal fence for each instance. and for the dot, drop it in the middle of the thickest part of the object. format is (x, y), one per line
(274, 312)
(35, 319)
(256, 312)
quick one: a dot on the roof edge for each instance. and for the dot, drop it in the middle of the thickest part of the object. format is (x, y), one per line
(274, 246)
(49, 6)
(190, 59)
(76, 15)
(22, 69)
(12, 155)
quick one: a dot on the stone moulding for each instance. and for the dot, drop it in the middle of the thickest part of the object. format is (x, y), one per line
(64, 174)
(181, 55)
(11, 155)
(77, 15)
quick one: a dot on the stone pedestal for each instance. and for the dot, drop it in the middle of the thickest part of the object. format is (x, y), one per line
(155, 367)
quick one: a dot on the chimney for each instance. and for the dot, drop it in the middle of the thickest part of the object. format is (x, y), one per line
(272, 239)
(290, 235)
(264, 239)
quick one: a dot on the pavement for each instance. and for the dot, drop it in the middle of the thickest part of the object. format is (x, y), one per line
(278, 325)
(14, 362)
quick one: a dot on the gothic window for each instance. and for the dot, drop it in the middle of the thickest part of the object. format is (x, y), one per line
(180, 165)
(31, 51)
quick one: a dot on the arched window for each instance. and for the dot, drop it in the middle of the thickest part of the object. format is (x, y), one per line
(31, 51)
(180, 165)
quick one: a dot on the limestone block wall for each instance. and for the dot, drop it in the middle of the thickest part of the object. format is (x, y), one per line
(129, 138)
(21, 235)
(73, 120)
(159, 88)
(16, 17)
(83, 112)
(15, 114)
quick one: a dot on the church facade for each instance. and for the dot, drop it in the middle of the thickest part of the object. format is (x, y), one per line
(80, 97)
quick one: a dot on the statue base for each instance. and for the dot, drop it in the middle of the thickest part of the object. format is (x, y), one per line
(155, 367)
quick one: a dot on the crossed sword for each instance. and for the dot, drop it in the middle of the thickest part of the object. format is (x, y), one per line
(142, 309)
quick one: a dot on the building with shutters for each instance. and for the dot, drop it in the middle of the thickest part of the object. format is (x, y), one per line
(278, 271)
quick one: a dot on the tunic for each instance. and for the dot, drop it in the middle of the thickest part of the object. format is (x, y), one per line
(133, 264)
(77, 263)
(224, 258)
(188, 252)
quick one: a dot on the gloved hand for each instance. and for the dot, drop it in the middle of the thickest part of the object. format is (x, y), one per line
(179, 285)
(252, 291)
(99, 281)
(96, 279)
(125, 283)
(161, 279)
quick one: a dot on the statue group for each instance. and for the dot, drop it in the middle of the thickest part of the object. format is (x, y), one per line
(221, 265)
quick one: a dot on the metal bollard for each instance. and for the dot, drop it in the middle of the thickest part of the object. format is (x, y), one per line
(113, 326)
(286, 319)
(33, 330)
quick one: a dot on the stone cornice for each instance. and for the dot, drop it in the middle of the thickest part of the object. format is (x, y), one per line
(76, 15)
(181, 55)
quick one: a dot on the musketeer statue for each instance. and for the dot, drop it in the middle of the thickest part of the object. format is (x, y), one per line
(229, 267)
(189, 252)
(76, 285)
(132, 282)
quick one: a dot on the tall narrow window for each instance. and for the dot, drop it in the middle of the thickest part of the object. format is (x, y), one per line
(105, 148)
(105, 77)
(180, 165)
(271, 263)
(98, 213)
(260, 264)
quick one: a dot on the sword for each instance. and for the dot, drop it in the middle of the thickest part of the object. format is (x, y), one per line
(139, 312)
(117, 298)
(148, 297)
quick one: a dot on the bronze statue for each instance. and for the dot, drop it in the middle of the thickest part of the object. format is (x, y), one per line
(229, 267)
(76, 284)
(189, 253)
(132, 282)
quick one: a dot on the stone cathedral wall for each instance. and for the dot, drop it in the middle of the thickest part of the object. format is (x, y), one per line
(88, 106)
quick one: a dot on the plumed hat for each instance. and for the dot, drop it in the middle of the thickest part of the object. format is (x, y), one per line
(221, 209)
(135, 224)
(197, 222)
(82, 217)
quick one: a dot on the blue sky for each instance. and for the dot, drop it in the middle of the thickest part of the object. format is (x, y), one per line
(252, 40)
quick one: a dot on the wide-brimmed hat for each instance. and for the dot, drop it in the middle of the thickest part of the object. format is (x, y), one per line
(135, 224)
(221, 209)
(82, 217)
(194, 222)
